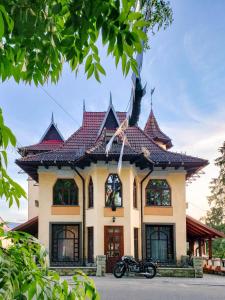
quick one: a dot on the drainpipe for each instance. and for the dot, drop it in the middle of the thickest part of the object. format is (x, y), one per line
(142, 227)
(84, 217)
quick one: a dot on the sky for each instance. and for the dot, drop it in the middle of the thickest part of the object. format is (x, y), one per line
(185, 64)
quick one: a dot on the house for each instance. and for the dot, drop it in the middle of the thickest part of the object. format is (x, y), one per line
(80, 207)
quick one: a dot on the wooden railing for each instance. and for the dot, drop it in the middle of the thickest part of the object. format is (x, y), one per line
(214, 266)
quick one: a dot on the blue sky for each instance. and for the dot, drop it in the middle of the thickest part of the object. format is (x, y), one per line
(186, 65)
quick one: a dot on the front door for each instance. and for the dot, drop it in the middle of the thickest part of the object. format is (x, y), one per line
(113, 246)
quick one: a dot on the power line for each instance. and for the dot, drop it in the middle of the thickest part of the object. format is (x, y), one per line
(57, 103)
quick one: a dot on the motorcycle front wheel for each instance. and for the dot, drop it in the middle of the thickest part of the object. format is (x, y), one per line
(119, 271)
(150, 272)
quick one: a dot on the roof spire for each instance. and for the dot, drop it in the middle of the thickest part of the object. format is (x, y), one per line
(110, 99)
(152, 92)
(84, 108)
(52, 118)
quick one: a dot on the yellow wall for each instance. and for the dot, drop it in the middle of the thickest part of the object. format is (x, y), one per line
(176, 181)
(33, 194)
(95, 216)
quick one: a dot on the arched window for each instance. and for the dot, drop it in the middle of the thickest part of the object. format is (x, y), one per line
(113, 191)
(65, 192)
(158, 193)
(90, 193)
(135, 194)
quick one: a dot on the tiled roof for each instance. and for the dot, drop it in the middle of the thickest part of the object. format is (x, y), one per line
(153, 131)
(86, 143)
(51, 140)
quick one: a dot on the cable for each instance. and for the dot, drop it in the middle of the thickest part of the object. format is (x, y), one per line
(57, 103)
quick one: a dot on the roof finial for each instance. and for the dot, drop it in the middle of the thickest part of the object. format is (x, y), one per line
(110, 99)
(52, 118)
(152, 92)
(84, 108)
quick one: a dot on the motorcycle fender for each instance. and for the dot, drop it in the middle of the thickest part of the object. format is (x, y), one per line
(151, 264)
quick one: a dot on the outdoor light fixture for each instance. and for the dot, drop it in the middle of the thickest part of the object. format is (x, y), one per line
(113, 219)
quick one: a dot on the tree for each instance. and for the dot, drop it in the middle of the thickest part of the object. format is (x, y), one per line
(215, 216)
(36, 39)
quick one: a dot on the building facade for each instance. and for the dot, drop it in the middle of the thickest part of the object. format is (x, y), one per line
(84, 208)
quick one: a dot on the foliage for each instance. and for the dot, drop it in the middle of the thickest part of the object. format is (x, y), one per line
(24, 274)
(9, 189)
(215, 216)
(37, 37)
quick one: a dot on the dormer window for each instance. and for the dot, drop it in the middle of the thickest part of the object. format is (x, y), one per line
(65, 192)
(158, 193)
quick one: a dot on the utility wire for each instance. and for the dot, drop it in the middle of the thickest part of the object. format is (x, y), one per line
(57, 103)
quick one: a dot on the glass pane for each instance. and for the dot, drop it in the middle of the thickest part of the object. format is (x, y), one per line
(113, 191)
(65, 250)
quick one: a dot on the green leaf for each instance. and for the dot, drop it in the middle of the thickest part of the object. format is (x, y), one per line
(127, 68)
(90, 71)
(100, 68)
(124, 60)
(2, 28)
(134, 16)
(88, 63)
(97, 75)
(141, 23)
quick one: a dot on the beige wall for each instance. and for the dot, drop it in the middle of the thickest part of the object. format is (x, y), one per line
(33, 194)
(176, 181)
(95, 216)
(47, 179)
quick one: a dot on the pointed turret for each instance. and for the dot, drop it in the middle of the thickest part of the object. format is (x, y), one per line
(153, 131)
(51, 140)
(110, 120)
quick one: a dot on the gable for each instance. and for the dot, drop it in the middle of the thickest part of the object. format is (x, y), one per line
(111, 121)
(52, 134)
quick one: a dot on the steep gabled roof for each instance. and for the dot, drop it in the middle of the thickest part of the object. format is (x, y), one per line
(153, 131)
(111, 120)
(86, 146)
(50, 140)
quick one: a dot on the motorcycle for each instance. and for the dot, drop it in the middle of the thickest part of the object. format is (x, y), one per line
(129, 264)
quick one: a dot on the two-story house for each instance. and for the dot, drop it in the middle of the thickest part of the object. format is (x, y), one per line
(80, 207)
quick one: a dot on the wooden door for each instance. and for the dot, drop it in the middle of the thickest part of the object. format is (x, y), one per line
(114, 248)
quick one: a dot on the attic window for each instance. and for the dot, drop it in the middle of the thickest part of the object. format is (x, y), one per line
(108, 136)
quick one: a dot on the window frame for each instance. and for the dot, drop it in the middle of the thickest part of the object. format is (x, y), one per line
(135, 195)
(69, 202)
(90, 193)
(160, 191)
(121, 192)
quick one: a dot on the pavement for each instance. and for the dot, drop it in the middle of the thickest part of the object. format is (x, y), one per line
(210, 287)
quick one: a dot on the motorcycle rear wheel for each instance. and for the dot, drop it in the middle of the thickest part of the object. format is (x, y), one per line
(151, 270)
(118, 271)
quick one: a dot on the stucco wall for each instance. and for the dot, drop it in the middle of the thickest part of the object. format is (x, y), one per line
(47, 179)
(33, 194)
(95, 216)
(176, 181)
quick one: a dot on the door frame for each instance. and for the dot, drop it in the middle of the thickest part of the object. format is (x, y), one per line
(122, 239)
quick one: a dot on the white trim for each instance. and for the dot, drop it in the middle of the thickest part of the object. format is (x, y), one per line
(46, 131)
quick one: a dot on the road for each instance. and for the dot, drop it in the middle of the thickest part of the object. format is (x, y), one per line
(208, 288)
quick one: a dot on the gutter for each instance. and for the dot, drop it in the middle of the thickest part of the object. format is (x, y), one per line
(142, 227)
(84, 217)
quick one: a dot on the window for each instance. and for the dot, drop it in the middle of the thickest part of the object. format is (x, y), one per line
(113, 191)
(65, 244)
(135, 194)
(159, 242)
(90, 244)
(90, 194)
(158, 193)
(136, 243)
(65, 192)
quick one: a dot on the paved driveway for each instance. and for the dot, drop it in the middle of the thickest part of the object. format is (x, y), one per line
(160, 288)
